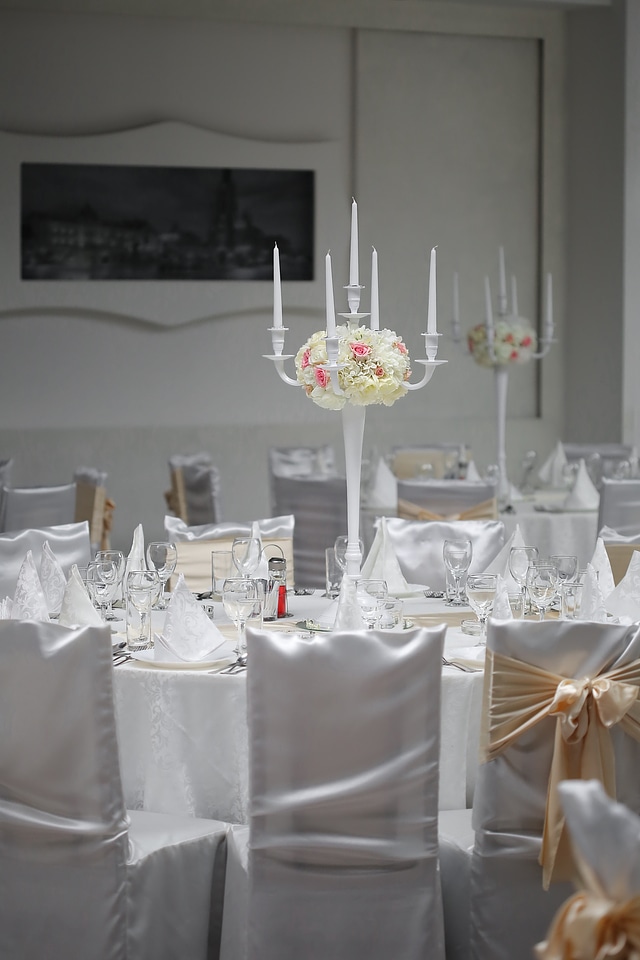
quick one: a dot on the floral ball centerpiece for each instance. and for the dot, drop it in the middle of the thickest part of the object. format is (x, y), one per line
(514, 342)
(375, 368)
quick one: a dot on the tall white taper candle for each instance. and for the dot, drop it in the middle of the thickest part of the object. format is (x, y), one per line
(277, 289)
(375, 301)
(330, 306)
(549, 311)
(514, 297)
(502, 290)
(353, 253)
(432, 308)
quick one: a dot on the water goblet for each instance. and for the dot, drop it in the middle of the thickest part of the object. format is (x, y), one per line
(110, 567)
(567, 568)
(371, 595)
(481, 594)
(162, 556)
(99, 589)
(143, 589)
(542, 585)
(457, 556)
(239, 599)
(340, 551)
(245, 553)
(519, 560)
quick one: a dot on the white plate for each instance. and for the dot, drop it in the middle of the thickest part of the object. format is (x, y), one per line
(149, 659)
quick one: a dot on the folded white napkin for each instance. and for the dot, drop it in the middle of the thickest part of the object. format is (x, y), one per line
(384, 488)
(262, 570)
(501, 606)
(472, 473)
(52, 579)
(348, 613)
(584, 495)
(6, 606)
(77, 610)
(382, 563)
(29, 602)
(136, 559)
(500, 564)
(592, 606)
(514, 494)
(602, 565)
(188, 633)
(552, 470)
(624, 600)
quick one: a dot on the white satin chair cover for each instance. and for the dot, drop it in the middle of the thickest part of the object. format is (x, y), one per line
(439, 458)
(607, 456)
(93, 505)
(343, 848)
(80, 877)
(510, 911)
(24, 507)
(199, 485)
(302, 461)
(446, 497)
(319, 505)
(418, 546)
(620, 506)
(69, 542)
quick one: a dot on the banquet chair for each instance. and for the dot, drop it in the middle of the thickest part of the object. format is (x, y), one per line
(302, 461)
(620, 557)
(620, 506)
(540, 725)
(437, 460)
(69, 542)
(94, 506)
(24, 507)
(195, 488)
(319, 505)
(81, 876)
(604, 458)
(340, 858)
(195, 544)
(418, 546)
(447, 500)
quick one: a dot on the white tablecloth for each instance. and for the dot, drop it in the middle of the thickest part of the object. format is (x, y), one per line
(184, 742)
(552, 530)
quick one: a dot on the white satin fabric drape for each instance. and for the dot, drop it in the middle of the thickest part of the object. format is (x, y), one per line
(620, 506)
(343, 846)
(78, 878)
(24, 507)
(510, 911)
(69, 542)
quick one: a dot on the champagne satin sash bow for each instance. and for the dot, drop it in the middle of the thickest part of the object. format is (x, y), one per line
(519, 695)
(486, 510)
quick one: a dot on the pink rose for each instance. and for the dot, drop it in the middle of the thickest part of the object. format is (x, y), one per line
(526, 342)
(322, 377)
(514, 355)
(379, 371)
(508, 338)
(305, 358)
(360, 349)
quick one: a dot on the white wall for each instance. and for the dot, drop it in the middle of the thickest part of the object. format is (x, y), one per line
(121, 396)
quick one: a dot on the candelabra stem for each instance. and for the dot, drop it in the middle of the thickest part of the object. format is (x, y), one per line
(502, 383)
(353, 431)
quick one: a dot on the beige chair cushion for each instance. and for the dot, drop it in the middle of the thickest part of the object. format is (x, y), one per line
(194, 560)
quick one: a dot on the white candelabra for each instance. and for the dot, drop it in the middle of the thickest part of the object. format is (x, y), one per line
(353, 415)
(500, 367)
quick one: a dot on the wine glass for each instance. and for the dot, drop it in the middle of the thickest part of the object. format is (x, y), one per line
(481, 593)
(457, 557)
(245, 553)
(109, 565)
(567, 568)
(519, 560)
(143, 590)
(340, 551)
(239, 599)
(542, 585)
(371, 595)
(162, 556)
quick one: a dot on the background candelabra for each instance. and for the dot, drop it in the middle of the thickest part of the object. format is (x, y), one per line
(501, 342)
(353, 413)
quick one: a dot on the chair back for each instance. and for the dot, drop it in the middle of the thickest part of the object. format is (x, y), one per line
(418, 546)
(302, 461)
(604, 458)
(195, 489)
(94, 506)
(195, 544)
(525, 757)
(435, 461)
(63, 823)
(447, 500)
(24, 507)
(620, 506)
(620, 557)
(319, 506)
(343, 834)
(69, 542)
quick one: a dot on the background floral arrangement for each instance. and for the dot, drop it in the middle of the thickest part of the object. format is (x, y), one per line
(514, 342)
(376, 366)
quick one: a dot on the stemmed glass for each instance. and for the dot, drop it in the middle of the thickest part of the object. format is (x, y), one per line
(520, 558)
(143, 590)
(162, 556)
(239, 598)
(340, 551)
(109, 568)
(371, 595)
(245, 553)
(542, 585)
(481, 594)
(457, 556)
